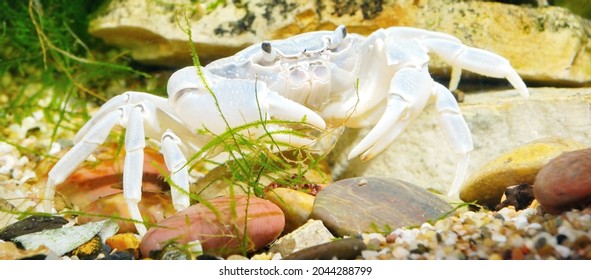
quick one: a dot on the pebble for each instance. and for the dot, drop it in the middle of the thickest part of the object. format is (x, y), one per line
(124, 242)
(89, 250)
(219, 226)
(373, 204)
(310, 234)
(518, 166)
(296, 205)
(154, 208)
(565, 182)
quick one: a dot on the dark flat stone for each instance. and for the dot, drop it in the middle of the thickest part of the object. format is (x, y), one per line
(375, 204)
(30, 225)
(342, 249)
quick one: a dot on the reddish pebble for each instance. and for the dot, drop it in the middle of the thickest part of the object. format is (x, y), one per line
(221, 230)
(565, 182)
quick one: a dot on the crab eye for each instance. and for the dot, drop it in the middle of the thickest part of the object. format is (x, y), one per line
(337, 37)
(342, 31)
(269, 53)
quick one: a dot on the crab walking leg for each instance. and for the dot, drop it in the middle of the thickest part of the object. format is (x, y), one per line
(409, 93)
(94, 136)
(177, 164)
(132, 168)
(476, 60)
(110, 106)
(456, 131)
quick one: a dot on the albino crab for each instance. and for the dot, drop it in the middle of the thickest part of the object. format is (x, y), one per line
(318, 77)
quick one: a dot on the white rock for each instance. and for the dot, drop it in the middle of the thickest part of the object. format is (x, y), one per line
(310, 234)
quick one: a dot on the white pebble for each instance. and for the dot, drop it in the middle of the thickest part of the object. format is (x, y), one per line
(450, 238)
(497, 237)
(400, 253)
(520, 222)
(369, 254)
(562, 250)
(26, 175)
(55, 148)
(7, 163)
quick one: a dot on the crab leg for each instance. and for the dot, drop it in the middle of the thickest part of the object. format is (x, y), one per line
(135, 143)
(456, 131)
(177, 164)
(476, 60)
(94, 136)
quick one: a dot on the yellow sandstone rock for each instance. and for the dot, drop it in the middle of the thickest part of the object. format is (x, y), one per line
(296, 205)
(520, 165)
(543, 44)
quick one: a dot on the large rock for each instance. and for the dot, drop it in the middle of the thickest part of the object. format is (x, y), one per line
(543, 44)
(499, 121)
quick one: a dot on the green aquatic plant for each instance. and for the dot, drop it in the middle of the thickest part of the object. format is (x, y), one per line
(50, 64)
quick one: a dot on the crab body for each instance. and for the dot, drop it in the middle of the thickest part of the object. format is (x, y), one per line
(322, 78)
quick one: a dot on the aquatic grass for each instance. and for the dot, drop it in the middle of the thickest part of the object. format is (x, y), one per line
(49, 67)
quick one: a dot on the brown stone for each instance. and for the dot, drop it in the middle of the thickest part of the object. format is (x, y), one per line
(219, 226)
(564, 183)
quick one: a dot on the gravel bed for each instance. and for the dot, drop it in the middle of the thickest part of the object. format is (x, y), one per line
(505, 234)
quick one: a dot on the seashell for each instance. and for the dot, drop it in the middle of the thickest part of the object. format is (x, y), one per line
(61, 240)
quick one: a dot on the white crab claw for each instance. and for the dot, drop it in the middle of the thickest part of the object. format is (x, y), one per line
(285, 109)
(236, 102)
(409, 92)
